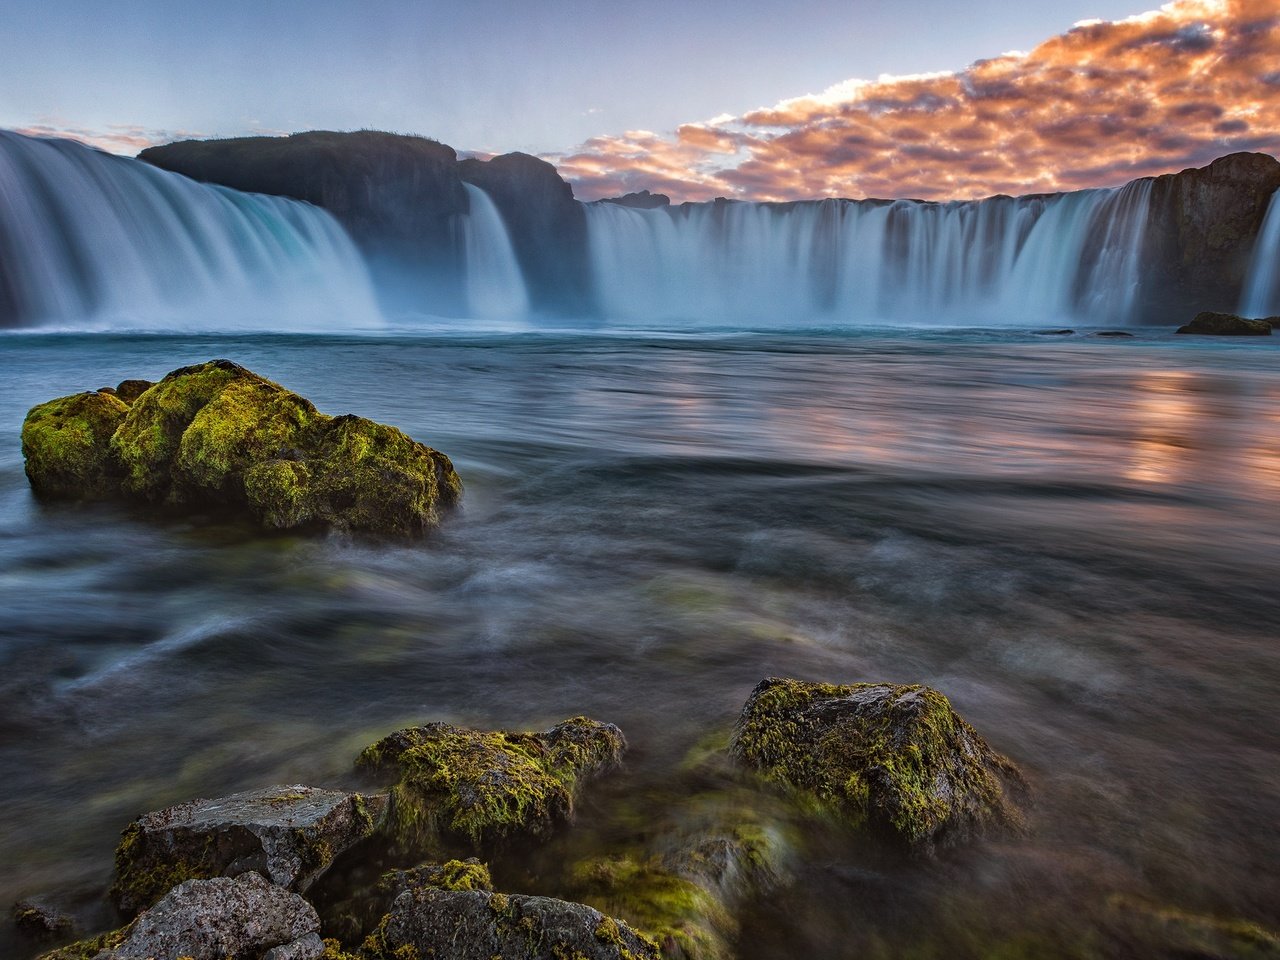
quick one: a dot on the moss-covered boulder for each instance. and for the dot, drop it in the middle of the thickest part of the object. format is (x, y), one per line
(886, 757)
(480, 925)
(1208, 323)
(290, 834)
(67, 446)
(218, 436)
(482, 785)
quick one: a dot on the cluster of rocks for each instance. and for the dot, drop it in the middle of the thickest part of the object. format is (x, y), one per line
(216, 436)
(1229, 325)
(231, 877)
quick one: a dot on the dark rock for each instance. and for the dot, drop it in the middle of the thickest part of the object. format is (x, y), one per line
(216, 435)
(488, 784)
(1053, 333)
(479, 925)
(1112, 333)
(131, 390)
(243, 917)
(67, 446)
(548, 228)
(1226, 325)
(290, 834)
(893, 758)
(36, 918)
(1201, 232)
(643, 200)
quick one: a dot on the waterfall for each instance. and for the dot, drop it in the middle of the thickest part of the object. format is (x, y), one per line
(1262, 286)
(87, 238)
(494, 283)
(1030, 260)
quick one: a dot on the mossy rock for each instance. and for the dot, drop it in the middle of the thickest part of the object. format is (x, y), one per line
(88, 948)
(1208, 323)
(481, 925)
(468, 874)
(486, 785)
(218, 436)
(893, 758)
(67, 446)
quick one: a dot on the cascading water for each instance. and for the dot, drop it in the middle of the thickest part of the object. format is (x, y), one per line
(87, 238)
(1262, 286)
(1072, 256)
(494, 283)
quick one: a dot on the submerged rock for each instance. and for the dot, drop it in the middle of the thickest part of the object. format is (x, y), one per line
(489, 784)
(896, 758)
(218, 435)
(291, 834)
(35, 918)
(480, 925)
(243, 917)
(67, 446)
(1151, 930)
(1226, 325)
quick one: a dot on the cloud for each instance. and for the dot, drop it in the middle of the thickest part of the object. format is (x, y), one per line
(114, 138)
(1102, 103)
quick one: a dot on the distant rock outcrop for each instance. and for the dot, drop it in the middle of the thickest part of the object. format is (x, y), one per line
(401, 198)
(641, 200)
(1201, 233)
(1226, 325)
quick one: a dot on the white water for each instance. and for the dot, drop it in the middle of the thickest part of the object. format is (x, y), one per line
(495, 286)
(1262, 286)
(1067, 257)
(88, 239)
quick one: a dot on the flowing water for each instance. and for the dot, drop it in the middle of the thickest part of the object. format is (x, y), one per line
(1262, 286)
(92, 240)
(1074, 538)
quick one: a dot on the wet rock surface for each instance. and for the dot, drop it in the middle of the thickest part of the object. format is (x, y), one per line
(290, 834)
(479, 925)
(243, 917)
(893, 758)
(488, 784)
(1226, 325)
(215, 436)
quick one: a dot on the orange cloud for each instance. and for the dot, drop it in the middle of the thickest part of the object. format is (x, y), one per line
(1105, 102)
(114, 138)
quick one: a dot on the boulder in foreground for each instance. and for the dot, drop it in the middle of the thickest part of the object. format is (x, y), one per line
(894, 758)
(479, 925)
(246, 918)
(218, 436)
(482, 785)
(290, 834)
(1226, 325)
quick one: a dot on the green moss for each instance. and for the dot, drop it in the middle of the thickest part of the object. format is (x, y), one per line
(67, 446)
(144, 876)
(897, 757)
(486, 785)
(469, 874)
(683, 919)
(130, 390)
(89, 948)
(148, 440)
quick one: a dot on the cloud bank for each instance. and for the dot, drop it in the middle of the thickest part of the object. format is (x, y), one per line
(1103, 103)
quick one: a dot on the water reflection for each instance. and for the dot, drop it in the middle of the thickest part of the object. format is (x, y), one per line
(1077, 543)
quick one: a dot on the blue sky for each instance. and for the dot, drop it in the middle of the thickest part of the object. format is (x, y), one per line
(489, 75)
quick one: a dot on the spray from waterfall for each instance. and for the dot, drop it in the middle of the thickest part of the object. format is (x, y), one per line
(91, 239)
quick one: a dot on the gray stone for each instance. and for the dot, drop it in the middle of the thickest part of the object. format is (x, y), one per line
(243, 917)
(479, 925)
(290, 834)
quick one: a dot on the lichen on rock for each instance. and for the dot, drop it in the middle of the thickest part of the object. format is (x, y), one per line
(67, 446)
(218, 436)
(484, 785)
(883, 756)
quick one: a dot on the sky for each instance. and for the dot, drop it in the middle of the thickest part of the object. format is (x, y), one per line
(749, 99)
